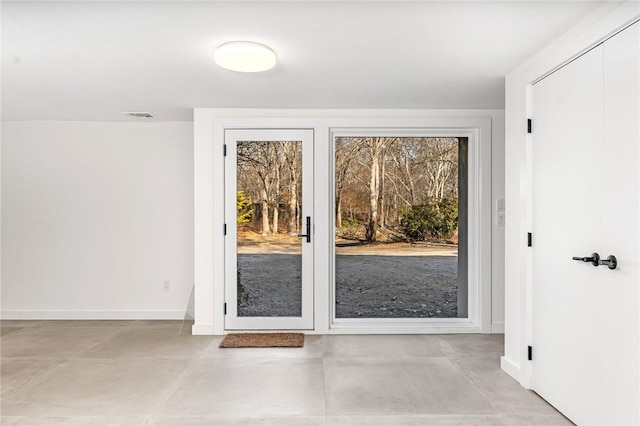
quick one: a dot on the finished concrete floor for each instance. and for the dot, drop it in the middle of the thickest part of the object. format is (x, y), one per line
(129, 373)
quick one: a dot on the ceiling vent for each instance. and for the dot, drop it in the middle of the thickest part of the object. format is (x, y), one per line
(140, 114)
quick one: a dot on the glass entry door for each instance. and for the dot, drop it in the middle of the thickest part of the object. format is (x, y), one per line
(269, 229)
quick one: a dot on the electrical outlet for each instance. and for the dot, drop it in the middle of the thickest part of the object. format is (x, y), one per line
(500, 205)
(166, 285)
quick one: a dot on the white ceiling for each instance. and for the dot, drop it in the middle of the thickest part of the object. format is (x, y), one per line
(90, 60)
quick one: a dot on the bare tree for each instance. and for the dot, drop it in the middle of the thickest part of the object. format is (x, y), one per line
(374, 146)
(255, 161)
(277, 162)
(382, 176)
(294, 161)
(346, 149)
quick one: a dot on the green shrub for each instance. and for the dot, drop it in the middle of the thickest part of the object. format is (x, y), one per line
(244, 208)
(350, 229)
(430, 220)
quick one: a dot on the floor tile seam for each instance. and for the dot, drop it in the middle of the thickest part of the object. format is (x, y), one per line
(81, 416)
(60, 324)
(111, 335)
(482, 356)
(420, 416)
(386, 359)
(12, 333)
(414, 413)
(482, 392)
(37, 358)
(259, 357)
(537, 415)
(171, 388)
(437, 337)
(86, 357)
(108, 335)
(18, 325)
(515, 405)
(6, 339)
(324, 389)
(157, 326)
(37, 380)
(470, 372)
(486, 392)
(462, 355)
(72, 327)
(269, 416)
(272, 357)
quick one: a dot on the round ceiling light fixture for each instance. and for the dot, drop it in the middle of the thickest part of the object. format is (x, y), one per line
(245, 56)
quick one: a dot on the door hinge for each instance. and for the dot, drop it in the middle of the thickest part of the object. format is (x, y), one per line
(224, 149)
(528, 125)
(225, 229)
(530, 353)
(529, 239)
(225, 310)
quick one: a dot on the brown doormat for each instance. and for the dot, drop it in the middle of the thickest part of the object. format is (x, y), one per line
(263, 340)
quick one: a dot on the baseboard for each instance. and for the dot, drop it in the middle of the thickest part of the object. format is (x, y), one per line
(497, 328)
(510, 368)
(203, 330)
(91, 315)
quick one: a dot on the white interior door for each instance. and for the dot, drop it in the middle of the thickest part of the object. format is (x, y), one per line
(567, 132)
(585, 139)
(269, 229)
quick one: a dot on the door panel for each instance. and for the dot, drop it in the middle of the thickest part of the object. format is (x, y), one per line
(586, 198)
(269, 264)
(620, 221)
(567, 117)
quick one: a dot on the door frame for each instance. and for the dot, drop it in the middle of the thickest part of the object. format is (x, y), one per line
(608, 21)
(232, 320)
(209, 125)
(474, 290)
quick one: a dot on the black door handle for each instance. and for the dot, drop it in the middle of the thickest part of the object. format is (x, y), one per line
(610, 262)
(594, 259)
(308, 234)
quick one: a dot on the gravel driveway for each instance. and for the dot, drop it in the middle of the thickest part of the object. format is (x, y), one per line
(368, 286)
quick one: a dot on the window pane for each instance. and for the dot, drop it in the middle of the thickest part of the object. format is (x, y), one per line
(269, 251)
(400, 203)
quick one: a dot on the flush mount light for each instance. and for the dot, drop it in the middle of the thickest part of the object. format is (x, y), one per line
(245, 56)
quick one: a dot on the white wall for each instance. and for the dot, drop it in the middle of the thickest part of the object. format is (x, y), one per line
(585, 34)
(95, 216)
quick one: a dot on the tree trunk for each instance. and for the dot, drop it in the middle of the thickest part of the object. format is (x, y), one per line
(383, 216)
(265, 212)
(293, 157)
(374, 191)
(412, 189)
(276, 207)
(293, 204)
(339, 208)
(275, 218)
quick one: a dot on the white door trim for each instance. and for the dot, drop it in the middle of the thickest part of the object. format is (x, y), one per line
(209, 125)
